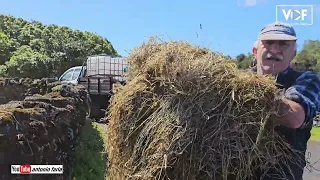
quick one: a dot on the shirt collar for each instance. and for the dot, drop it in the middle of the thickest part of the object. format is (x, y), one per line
(284, 72)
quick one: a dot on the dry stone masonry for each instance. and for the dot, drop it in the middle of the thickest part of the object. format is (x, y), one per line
(40, 122)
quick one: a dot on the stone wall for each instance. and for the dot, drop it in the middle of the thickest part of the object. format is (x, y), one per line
(40, 122)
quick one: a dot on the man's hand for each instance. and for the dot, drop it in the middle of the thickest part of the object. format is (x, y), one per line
(289, 114)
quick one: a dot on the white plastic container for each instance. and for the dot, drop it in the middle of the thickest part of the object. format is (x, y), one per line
(104, 65)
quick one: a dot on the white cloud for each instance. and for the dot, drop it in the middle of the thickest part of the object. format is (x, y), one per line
(250, 2)
(316, 8)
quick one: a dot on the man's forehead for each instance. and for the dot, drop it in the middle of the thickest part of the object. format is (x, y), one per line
(261, 43)
(278, 41)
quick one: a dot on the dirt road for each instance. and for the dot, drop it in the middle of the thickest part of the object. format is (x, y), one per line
(313, 173)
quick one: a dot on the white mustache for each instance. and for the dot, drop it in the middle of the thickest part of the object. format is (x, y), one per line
(274, 56)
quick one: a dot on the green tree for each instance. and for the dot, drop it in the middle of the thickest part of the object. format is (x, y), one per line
(27, 63)
(29, 45)
(244, 61)
(309, 57)
(6, 47)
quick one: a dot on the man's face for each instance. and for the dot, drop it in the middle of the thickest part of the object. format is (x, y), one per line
(274, 56)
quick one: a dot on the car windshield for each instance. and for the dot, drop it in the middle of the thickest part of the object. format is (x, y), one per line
(67, 76)
(76, 74)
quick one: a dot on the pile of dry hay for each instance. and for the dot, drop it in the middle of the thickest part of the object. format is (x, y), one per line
(188, 113)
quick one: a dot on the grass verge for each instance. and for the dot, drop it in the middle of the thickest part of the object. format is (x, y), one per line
(315, 134)
(91, 157)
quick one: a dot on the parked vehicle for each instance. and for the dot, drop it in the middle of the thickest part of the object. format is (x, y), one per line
(98, 74)
(71, 75)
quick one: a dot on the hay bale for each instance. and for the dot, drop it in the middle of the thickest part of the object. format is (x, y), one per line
(188, 113)
(116, 87)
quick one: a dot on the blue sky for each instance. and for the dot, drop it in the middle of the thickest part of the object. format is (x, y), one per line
(228, 26)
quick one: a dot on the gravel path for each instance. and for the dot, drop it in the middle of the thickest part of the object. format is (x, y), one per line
(313, 151)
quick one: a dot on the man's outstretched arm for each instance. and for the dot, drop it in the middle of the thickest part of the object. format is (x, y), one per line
(301, 102)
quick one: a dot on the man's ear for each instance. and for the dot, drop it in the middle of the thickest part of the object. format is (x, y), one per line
(254, 51)
(295, 50)
(294, 55)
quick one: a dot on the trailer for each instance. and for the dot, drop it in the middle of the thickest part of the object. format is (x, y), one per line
(98, 74)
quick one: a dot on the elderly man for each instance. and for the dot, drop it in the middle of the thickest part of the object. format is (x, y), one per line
(274, 50)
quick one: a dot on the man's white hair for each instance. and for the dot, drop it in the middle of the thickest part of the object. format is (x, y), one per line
(255, 45)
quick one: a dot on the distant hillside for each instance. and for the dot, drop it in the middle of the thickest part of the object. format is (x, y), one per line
(31, 49)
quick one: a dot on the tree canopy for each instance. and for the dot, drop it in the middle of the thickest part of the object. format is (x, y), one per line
(32, 49)
(244, 61)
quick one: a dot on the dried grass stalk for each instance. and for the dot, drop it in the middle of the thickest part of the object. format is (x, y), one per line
(188, 113)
